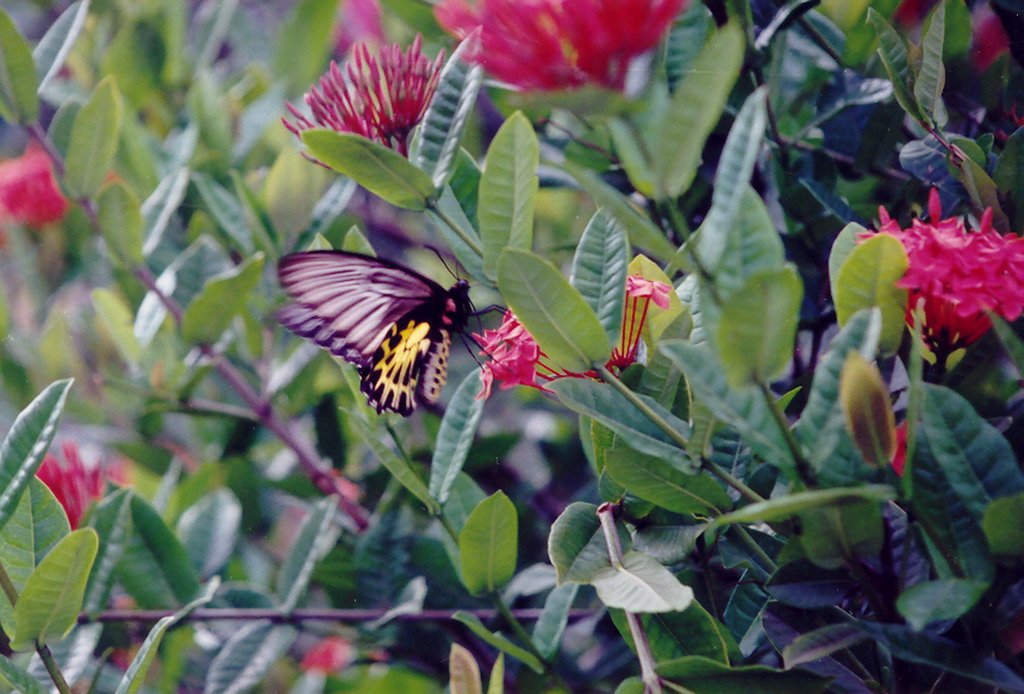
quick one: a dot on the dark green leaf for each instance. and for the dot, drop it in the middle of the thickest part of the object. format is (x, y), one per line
(304, 42)
(599, 270)
(1009, 178)
(834, 534)
(466, 245)
(226, 210)
(932, 601)
(791, 504)
(547, 632)
(893, 52)
(1003, 529)
(223, 296)
(53, 48)
(398, 466)
(498, 641)
(315, 538)
(209, 530)
(120, 220)
(672, 635)
(19, 678)
(931, 74)
(576, 545)
(706, 676)
(684, 42)
(112, 522)
(820, 643)
(247, 656)
(801, 583)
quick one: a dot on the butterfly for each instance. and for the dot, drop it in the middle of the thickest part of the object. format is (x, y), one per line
(393, 323)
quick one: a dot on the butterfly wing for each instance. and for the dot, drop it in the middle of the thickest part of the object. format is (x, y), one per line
(347, 302)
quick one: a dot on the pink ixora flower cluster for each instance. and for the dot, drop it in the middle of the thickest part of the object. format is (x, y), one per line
(959, 274)
(75, 485)
(383, 98)
(515, 358)
(560, 44)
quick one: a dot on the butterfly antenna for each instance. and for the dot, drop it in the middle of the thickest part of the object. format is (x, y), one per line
(444, 262)
(469, 348)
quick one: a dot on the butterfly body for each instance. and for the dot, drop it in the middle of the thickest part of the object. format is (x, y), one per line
(394, 324)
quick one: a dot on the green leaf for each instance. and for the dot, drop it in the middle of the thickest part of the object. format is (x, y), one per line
(51, 51)
(753, 247)
(943, 654)
(26, 443)
(18, 100)
(820, 429)
(290, 194)
(975, 458)
(120, 220)
(734, 170)
(375, 167)
(303, 43)
(671, 635)
(577, 546)
(696, 109)
(94, 139)
(1003, 530)
(315, 539)
(744, 410)
(463, 672)
(155, 568)
(706, 676)
(508, 191)
(488, 545)
(209, 530)
(112, 521)
(38, 523)
(221, 299)
(496, 683)
(555, 314)
(641, 231)
(599, 270)
(844, 244)
(893, 52)
(758, 327)
(498, 641)
(932, 601)
(16, 676)
(226, 210)
(246, 656)
(117, 319)
(547, 631)
(399, 467)
(983, 191)
(48, 607)
(466, 246)
(931, 74)
(135, 676)
(1009, 178)
(835, 534)
(161, 205)
(868, 278)
(641, 584)
(684, 43)
(606, 405)
(458, 429)
(655, 480)
(445, 120)
(799, 502)
(820, 643)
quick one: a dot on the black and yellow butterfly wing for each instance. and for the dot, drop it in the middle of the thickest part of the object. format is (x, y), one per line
(393, 323)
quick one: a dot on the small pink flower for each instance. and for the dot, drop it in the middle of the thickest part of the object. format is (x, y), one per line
(515, 359)
(75, 486)
(29, 194)
(560, 44)
(328, 657)
(382, 97)
(959, 274)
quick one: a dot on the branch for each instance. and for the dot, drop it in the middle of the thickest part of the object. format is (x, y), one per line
(312, 615)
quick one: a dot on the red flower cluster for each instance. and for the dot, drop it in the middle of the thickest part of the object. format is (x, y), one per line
(29, 194)
(75, 486)
(381, 98)
(560, 44)
(959, 274)
(517, 360)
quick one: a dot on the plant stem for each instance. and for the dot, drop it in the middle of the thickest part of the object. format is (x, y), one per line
(652, 684)
(474, 244)
(803, 468)
(312, 614)
(7, 585)
(677, 438)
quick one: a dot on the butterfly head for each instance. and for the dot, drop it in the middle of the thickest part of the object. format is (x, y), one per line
(459, 305)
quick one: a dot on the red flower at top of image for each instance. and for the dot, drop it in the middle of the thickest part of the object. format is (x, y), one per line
(381, 97)
(560, 44)
(75, 485)
(959, 274)
(515, 358)
(29, 194)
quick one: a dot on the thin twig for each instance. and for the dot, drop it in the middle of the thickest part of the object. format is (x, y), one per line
(212, 614)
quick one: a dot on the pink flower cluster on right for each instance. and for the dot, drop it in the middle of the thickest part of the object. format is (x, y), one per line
(560, 44)
(960, 274)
